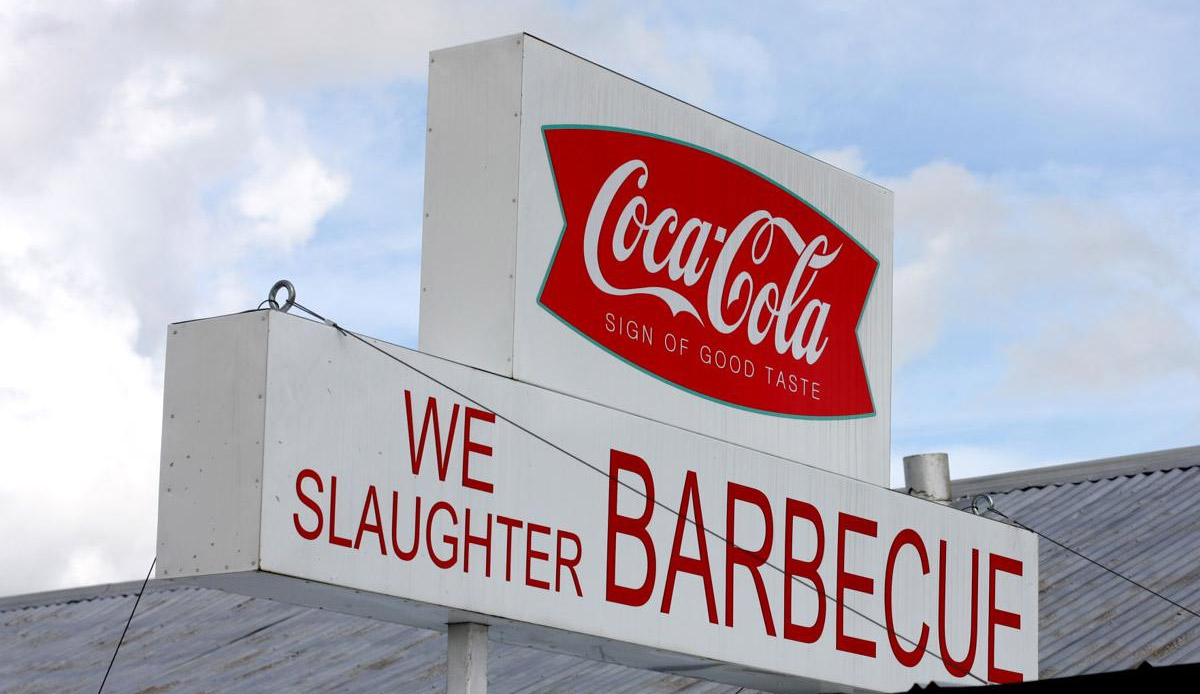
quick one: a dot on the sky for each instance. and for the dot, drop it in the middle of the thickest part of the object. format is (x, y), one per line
(169, 161)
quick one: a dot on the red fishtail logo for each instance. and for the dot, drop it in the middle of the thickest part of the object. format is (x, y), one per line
(706, 274)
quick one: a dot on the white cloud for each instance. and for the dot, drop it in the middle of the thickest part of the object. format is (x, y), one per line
(108, 231)
(727, 72)
(1138, 342)
(943, 214)
(1106, 66)
(919, 297)
(1089, 299)
(80, 472)
(148, 112)
(849, 159)
(287, 196)
(148, 151)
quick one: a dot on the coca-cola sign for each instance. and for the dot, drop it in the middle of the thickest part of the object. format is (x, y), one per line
(707, 274)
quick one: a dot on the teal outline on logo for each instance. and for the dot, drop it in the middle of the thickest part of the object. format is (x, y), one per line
(768, 179)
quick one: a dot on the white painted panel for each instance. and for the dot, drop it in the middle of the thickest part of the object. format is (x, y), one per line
(560, 88)
(337, 408)
(469, 238)
(210, 475)
(483, 268)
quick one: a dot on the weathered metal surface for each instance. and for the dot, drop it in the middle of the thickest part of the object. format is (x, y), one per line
(1135, 514)
(187, 640)
(1104, 468)
(212, 464)
(927, 475)
(343, 500)
(471, 186)
(494, 222)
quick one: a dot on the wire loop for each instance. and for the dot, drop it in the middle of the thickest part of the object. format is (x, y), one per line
(291, 296)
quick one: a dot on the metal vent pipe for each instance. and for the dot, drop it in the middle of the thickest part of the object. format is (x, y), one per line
(927, 475)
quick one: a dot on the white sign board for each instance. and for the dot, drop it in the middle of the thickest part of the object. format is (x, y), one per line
(588, 234)
(302, 464)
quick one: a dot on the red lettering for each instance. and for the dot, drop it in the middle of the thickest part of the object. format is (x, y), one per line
(847, 581)
(334, 539)
(630, 526)
(561, 561)
(307, 474)
(998, 617)
(450, 540)
(904, 537)
(371, 504)
(406, 554)
(417, 450)
(509, 525)
(531, 554)
(793, 568)
(958, 668)
(470, 447)
(484, 541)
(697, 567)
(752, 560)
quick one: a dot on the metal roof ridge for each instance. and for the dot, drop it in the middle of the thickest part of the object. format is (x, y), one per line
(1075, 473)
(12, 603)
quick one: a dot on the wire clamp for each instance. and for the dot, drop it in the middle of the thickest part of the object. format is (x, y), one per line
(987, 498)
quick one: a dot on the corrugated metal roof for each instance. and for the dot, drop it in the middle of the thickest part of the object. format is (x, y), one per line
(1137, 515)
(192, 640)
(1103, 468)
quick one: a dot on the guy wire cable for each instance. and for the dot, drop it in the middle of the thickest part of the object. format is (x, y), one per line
(991, 507)
(712, 533)
(127, 621)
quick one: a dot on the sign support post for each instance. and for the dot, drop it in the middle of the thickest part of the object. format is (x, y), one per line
(466, 658)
